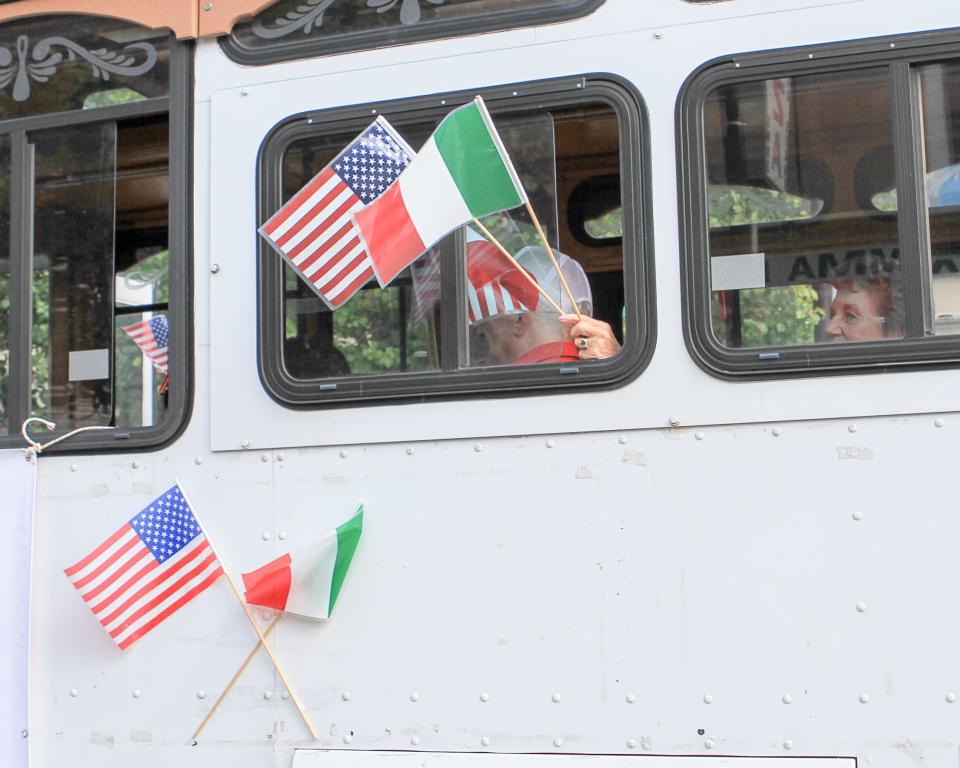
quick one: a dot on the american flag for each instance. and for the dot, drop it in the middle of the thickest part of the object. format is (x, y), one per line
(151, 567)
(152, 336)
(313, 231)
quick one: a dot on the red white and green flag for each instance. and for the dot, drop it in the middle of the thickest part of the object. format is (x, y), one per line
(461, 173)
(307, 585)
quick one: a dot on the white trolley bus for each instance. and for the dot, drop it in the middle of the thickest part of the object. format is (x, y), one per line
(733, 543)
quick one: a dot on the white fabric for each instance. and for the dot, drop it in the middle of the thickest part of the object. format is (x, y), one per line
(311, 577)
(18, 480)
(434, 203)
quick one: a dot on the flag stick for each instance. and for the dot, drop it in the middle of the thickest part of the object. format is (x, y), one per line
(233, 680)
(253, 622)
(536, 223)
(489, 235)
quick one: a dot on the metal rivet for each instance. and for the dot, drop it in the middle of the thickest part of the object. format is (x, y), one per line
(443, 102)
(265, 536)
(788, 744)
(244, 91)
(645, 743)
(135, 464)
(809, 55)
(74, 467)
(857, 515)
(951, 698)
(284, 695)
(414, 697)
(709, 743)
(549, 443)
(736, 65)
(414, 740)
(787, 698)
(478, 447)
(861, 607)
(198, 461)
(136, 693)
(699, 435)
(201, 694)
(658, 35)
(347, 738)
(24, 733)
(343, 454)
(484, 696)
(282, 535)
(244, 443)
(208, 6)
(268, 694)
(938, 422)
(556, 698)
(631, 698)
(346, 695)
(674, 421)
(265, 458)
(893, 45)
(373, 111)
(622, 439)
(514, 93)
(73, 692)
(631, 743)
(558, 742)
(707, 698)
(864, 698)
(214, 268)
(280, 457)
(777, 431)
(852, 428)
(485, 741)
(410, 451)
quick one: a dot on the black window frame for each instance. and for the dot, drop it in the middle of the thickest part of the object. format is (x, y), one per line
(364, 40)
(902, 54)
(459, 382)
(178, 106)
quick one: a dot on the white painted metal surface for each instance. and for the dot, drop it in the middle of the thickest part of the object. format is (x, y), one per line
(774, 577)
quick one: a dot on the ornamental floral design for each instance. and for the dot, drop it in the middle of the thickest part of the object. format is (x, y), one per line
(307, 16)
(40, 64)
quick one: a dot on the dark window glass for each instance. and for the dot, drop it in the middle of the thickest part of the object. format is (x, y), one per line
(298, 28)
(940, 93)
(798, 254)
(4, 279)
(59, 64)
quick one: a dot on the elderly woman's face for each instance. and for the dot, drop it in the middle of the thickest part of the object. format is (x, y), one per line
(856, 315)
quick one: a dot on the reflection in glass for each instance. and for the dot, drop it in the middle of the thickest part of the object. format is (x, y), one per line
(75, 176)
(4, 279)
(940, 93)
(793, 165)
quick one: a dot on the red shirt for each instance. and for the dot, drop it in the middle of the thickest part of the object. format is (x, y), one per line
(552, 352)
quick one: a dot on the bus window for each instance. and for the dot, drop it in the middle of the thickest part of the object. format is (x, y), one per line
(91, 242)
(438, 321)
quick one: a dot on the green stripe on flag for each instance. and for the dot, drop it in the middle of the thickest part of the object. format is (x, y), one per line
(348, 535)
(473, 158)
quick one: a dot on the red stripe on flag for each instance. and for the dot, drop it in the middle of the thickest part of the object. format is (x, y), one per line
(116, 574)
(355, 286)
(152, 584)
(98, 551)
(337, 265)
(392, 240)
(175, 606)
(297, 200)
(80, 583)
(332, 220)
(146, 608)
(311, 215)
(154, 563)
(305, 265)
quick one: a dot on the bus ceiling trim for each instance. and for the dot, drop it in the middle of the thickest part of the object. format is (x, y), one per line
(185, 18)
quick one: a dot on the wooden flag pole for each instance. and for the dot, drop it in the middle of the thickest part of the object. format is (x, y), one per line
(487, 234)
(563, 280)
(233, 680)
(253, 622)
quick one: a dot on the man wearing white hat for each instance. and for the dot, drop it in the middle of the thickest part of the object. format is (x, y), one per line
(511, 323)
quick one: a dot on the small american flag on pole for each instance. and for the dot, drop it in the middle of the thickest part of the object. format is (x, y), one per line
(314, 231)
(152, 336)
(152, 566)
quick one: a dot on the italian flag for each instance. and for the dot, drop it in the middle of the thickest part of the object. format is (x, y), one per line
(461, 173)
(307, 586)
